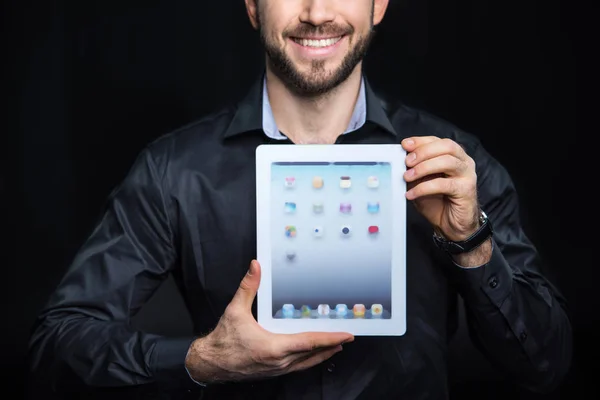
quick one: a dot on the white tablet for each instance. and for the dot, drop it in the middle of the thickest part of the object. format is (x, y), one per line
(331, 238)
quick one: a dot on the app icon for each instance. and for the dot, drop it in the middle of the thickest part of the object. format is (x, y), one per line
(290, 231)
(373, 208)
(376, 310)
(323, 310)
(345, 182)
(318, 231)
(290, 255)
(372, 182)
(290, 182)
(305, 310)
(290, 207)
(317, 208)
(317, 182)
(373, 230)
(359, 310)
(346, 231)
(345, 208)
(341, 310)
(288, 310)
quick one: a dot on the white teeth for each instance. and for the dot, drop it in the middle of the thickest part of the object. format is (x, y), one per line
(317, 43)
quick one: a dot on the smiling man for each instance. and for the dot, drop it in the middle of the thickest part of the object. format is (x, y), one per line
(187, 208)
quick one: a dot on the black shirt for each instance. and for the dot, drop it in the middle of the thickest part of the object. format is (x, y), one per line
(187, 208)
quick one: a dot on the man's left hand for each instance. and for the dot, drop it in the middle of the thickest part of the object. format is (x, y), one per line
(442, 183)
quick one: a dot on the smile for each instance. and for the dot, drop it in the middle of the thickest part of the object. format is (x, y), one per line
(317, 43)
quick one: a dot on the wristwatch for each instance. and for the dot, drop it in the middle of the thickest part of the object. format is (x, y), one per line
(472, 242)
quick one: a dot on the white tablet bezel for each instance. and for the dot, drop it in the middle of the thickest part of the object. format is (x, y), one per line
(395, 155)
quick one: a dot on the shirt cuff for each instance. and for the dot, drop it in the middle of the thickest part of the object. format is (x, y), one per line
(167, 363)
(491, 282)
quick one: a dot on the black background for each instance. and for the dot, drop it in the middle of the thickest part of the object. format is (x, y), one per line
(88, 83)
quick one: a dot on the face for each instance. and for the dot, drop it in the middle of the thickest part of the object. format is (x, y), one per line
(314, 45)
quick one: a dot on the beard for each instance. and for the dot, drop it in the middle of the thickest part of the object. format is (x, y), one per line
(317, 81)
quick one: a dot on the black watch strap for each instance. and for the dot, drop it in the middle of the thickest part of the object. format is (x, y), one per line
(472, 242)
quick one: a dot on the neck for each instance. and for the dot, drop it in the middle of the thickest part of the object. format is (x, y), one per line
(320, 119)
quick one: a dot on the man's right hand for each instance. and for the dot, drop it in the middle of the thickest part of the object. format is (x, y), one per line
(240, 349)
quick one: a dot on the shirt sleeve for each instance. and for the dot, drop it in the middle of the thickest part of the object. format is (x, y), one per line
(516, 317)
(84, 329)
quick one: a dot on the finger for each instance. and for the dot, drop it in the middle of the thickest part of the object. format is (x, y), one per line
(292, 358)
(244, 297)
(410, 185)
(437, 186)
(314, 358)
(444, 165)
(309, 341)
(434, 149)
(411, 143)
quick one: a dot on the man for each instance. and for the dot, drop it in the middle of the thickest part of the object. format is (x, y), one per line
(187, 208)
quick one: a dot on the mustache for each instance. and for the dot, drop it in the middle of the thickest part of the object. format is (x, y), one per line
(329, 29)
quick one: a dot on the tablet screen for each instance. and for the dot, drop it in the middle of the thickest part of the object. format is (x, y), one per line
(331, 235)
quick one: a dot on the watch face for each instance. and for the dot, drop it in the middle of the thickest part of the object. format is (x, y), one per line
(482, 217)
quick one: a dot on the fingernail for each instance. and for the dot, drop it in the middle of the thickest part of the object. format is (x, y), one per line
(409, 142)
(410, 172)
(411, 157)
(252, 266)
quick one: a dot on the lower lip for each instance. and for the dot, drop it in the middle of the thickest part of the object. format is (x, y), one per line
(317, 51)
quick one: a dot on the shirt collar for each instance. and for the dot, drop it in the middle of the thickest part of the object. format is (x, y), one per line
(254, 113)
(359, 115)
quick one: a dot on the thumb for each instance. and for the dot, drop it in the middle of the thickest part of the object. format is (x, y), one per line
(248, 287)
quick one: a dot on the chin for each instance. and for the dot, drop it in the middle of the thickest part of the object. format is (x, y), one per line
(319, 77)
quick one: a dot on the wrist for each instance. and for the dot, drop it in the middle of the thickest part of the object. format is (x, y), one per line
(471, 243)
(477, 257)
(197, 363)
(460, 232)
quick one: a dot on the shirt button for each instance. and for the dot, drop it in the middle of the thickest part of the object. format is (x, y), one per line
(331, 367)
(493, 282)
(523, 336)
